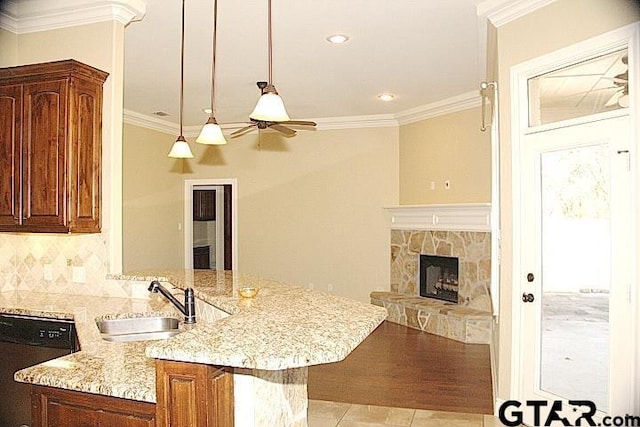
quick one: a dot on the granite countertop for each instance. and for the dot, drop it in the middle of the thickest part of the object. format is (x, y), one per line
(283, 327)
(112, 369)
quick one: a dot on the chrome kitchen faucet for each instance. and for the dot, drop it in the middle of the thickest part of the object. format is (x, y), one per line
(189, 306)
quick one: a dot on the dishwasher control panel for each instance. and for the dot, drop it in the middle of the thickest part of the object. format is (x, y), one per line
(38, 331)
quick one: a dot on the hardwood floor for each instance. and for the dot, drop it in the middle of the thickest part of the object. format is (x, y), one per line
(403, 367)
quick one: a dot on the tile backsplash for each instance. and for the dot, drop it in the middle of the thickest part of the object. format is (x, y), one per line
(73, 263)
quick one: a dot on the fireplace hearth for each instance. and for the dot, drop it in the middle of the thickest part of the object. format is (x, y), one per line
(439, 277)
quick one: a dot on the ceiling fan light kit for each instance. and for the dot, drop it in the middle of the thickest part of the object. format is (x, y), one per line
(270, 107)
(180, 149)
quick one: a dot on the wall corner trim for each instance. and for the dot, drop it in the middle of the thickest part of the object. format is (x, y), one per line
(441, 217)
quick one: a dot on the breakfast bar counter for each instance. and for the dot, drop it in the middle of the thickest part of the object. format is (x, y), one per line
(282, 327)
(268, 341)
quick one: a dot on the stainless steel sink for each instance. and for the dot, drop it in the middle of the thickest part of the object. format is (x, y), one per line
(138, 328)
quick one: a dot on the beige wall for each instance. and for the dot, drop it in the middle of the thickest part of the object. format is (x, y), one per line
(449, 147)
(100, 45)
(310, 208)
(560, 24)
(8, 48)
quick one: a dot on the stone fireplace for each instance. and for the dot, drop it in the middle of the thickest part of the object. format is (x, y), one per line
(472, 250)
(447, 235)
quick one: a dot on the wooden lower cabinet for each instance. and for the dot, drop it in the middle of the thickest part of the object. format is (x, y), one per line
(192, 394)
(52, 407)
(188, 395)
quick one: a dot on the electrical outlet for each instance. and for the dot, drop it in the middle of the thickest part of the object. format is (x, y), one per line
(48, 272)
(330, 287)
(311, 286)
(447, 185)
(433, 185)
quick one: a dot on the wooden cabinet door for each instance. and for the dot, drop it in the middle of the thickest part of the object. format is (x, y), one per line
(85, 155)
(10, 146)
(193, 394)
(44, 156)
(53, 407)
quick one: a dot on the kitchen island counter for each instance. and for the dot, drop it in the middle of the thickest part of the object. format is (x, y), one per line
(282, 327)
(269, 340)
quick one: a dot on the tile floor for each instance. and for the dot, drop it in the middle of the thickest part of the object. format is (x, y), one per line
(334, 414)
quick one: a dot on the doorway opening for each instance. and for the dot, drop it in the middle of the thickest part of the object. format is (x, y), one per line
(210, 231)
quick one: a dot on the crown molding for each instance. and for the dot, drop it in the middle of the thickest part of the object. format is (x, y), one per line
(356, 122)
(149, 122)
(28, 16)
(501, 12)
(450, 105)
(446, 106)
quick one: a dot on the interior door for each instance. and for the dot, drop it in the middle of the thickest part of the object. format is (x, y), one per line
(576, 267)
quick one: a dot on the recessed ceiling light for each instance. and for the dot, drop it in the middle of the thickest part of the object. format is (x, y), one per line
(337, 38)
(386, 97)
(160, 114)
(207, 110)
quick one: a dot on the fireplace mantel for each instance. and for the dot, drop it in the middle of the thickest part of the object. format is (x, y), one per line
(445, 217)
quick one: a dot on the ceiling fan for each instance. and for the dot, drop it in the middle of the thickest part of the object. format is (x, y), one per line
(621, 95)
(599, 76)
(266, 124)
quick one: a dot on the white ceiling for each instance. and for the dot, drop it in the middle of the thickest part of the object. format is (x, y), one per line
(423, 51)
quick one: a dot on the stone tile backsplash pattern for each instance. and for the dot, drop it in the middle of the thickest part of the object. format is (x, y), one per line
(473, 250)
(24, 257)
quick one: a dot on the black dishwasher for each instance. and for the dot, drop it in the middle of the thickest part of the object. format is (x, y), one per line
(26, 341)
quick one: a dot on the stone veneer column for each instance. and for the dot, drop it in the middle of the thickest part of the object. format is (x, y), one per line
(271, 398)
(473, 250)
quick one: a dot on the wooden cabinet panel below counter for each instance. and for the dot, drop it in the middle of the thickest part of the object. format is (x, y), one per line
(192, 394)
(53, 407)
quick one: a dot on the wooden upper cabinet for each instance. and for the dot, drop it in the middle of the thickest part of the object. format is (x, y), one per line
(51, 147)
(204, 205)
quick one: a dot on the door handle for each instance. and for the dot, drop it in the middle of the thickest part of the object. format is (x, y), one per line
(527, 297)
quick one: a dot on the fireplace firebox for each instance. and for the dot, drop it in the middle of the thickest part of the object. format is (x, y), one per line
(439, 277)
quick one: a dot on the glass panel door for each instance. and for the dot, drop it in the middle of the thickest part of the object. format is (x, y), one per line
(575, 240)
(576, 262)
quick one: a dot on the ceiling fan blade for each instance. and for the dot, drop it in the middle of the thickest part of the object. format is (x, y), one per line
(283, 130)
(563, 76)
(614, 98)
(299, 123)
(242, 131)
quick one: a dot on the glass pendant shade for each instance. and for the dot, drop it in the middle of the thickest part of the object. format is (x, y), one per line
(180, 149)
(211, 133)
(270, 108)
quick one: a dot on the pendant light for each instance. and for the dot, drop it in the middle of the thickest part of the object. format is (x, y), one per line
(180, 149)
(211, 133)
(270, 107)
